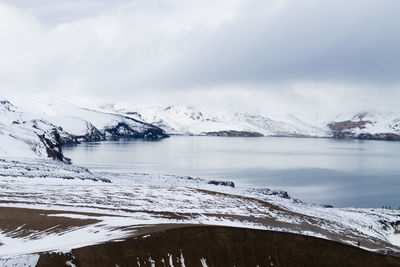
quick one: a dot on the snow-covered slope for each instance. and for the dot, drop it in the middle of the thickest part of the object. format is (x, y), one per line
(39, 130)
(22, 136)
(85, 123)
(187, 119)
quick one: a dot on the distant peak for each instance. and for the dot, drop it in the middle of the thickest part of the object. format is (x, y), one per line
(180, 106)
(5, 104)
(361, 115)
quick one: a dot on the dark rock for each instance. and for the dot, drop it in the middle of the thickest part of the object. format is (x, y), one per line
(93, 134)
(379, 136)
(282, 194)
(123, 129)
(134, 113)
(52, 142)
(223, 183)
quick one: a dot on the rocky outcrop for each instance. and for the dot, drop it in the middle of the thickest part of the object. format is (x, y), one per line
(123, 129)
(52, 142)
(380, 136)
(56, 137)
(346, 129)
(222, 183)
(126, 128)
(234, 134)
(347, 125)
(92, 135)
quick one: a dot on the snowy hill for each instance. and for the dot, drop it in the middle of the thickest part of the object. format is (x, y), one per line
(87, 124)
(24, 137)
(34, 130)
(187, 119)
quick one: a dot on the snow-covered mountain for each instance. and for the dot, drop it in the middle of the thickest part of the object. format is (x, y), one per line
(187, 119)
(34, 130)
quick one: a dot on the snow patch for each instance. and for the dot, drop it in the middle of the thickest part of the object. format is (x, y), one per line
(29, 260)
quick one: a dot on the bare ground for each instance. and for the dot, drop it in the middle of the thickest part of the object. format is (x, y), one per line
(162, 243)
(219, 246)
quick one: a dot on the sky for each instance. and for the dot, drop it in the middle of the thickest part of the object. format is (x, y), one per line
(254, 55)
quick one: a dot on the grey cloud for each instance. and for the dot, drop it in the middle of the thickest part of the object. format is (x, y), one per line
(64, 11)
(341, 41)
(275, 53)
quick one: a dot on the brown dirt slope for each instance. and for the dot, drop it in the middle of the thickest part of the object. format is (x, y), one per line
(221, 246)
(27, 222)
(346, 125)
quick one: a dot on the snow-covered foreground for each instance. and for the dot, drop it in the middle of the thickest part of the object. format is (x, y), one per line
(99, 211)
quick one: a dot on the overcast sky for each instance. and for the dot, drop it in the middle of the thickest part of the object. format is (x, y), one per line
(281, 55)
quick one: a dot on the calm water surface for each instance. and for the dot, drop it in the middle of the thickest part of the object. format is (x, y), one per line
(337, 172)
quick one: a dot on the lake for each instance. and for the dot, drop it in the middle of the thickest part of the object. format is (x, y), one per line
(342, 173)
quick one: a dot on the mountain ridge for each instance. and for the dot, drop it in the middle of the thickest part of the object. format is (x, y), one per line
(186, 119)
